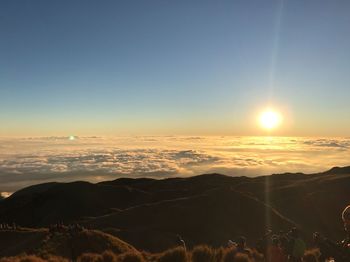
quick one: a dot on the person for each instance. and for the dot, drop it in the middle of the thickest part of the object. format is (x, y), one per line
(182, 242)
(274, 252)
(340, 252)
(345, 244)
(346, 221)
(231, 243)
(241, 246)
(298, 246)
(262, 243)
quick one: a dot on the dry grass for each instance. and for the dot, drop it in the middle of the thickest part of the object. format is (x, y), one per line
(311, 255)
(203, 254)
(32, 258)
(177, 254)
(89, 257)
(229, 254)
(109, 256)
(130, 257)
(239, 257)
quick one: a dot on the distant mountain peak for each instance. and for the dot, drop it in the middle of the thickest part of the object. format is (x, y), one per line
(338, 170)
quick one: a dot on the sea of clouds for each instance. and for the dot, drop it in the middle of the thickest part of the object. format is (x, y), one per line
(28, 161)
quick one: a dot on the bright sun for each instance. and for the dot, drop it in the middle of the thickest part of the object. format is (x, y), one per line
(270, 119)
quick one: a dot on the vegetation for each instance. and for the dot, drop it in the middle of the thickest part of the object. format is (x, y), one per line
(177, 254)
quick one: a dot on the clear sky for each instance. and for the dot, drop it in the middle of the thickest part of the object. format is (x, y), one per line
(173, 67)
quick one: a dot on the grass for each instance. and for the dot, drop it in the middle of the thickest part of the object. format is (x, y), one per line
(96, 246)
(201, 253)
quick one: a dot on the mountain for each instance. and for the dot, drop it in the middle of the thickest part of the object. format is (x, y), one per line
(210, 208)
(212, 217)
(63, 244)
(47, 204)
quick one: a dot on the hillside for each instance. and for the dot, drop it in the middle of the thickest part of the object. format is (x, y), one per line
(212, 217)
(211, 209)
(64, 244)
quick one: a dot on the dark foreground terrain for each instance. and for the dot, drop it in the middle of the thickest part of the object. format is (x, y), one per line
(208, 209)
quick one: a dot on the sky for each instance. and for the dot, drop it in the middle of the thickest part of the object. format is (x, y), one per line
(124, 68)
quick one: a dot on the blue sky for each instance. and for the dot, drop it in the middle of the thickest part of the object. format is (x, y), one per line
(173, 67)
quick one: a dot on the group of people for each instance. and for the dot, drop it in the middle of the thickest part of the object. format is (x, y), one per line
(339, 252)
(290, 246)
(60, 227)
(283, 246)
(6, 226)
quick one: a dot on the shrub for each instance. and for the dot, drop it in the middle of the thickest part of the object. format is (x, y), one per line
(230, 254)
(174, 255)
(56, 259)
(109, 256)
(257, 257)
(311, 256)
(240, 257)
(130, 257)
(22, 258)
(30, 259)
(8, 259)
(203, 254)
(219, 254)
(89, 257)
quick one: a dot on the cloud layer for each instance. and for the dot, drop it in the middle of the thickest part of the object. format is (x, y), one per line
(35, 160)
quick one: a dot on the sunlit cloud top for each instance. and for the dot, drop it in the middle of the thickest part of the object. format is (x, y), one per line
(35, 160)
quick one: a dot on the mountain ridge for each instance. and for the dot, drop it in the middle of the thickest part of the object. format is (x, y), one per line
(143, 211)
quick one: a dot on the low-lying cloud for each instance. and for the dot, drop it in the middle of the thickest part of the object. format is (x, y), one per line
(35, 160)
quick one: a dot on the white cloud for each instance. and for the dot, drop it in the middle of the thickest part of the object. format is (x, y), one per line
(35, 160)
(5, 194)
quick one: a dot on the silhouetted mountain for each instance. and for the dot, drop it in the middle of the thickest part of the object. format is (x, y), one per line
(49, 203)
(64, 244)
(211, 208)
(211, 217)
(338, 170)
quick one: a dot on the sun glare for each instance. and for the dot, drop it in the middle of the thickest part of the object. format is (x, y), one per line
(270, 119)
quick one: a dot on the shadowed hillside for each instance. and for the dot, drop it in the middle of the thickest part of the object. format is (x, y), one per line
(64, 244)
(212, 217)
(49, 203)
(207, 209)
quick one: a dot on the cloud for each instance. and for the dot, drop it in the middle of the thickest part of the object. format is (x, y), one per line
(324, 142)
(5, 194)
(35, 160)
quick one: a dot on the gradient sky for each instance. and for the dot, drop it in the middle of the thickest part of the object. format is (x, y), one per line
(173, 67)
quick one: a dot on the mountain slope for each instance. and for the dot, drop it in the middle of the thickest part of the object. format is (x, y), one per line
(212, 217)
(210, 208)
(65, 244)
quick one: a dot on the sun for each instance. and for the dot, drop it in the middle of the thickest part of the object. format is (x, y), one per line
(270, 119)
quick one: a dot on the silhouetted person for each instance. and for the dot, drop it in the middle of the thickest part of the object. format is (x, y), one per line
(346, 220)
(241, 246)
(182, 242)
(231, 243)
(298, 246)
(262, 244)
(339, 251)
(274, 251)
